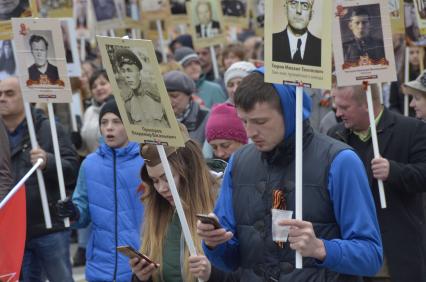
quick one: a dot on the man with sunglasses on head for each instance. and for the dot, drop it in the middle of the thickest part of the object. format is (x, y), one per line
(295, 44)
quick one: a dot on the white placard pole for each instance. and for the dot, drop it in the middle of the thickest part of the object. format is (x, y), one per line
(379, 85)
(299, 162)
(214, 63)
(406, 78)
(73, 119)
(161, 40)
(111, 33)
(40, 179)
(20, 183)
(176, 200)
(57, 157)
(375, 143)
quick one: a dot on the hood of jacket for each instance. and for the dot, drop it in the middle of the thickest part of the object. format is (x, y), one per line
(287, 94)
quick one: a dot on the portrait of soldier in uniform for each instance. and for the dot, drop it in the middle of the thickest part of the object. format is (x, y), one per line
(14, 9)
(207, 27)
(295, 44)
(362, 48)
(41, 72)
(233, 8)
(142, 105)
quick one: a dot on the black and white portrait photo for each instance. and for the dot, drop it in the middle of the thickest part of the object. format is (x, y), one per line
(139, 90)
(7, 60)
(42, 72)
(207, 25)
(295, 43)
(362, 35)
(141, 98)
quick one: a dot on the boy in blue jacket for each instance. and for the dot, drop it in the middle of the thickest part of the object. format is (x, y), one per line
(106, 195)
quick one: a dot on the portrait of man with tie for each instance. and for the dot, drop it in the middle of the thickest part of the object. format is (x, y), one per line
(295, 44)
(362, 47)
(207, 27)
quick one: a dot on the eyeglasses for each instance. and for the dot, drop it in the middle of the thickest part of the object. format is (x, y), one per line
(304, 5)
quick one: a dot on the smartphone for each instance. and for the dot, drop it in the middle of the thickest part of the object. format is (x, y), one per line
(206, 219)
(132, 253)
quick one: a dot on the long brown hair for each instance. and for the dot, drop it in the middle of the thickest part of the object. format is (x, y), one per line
(197, 191)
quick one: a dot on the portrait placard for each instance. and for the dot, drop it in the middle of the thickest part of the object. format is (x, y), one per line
(397, 15)
(362, 42)
(42, 66)
(207, 26)
(14, 9)
(56, 8)
(298, 42)
(420, 10)
(7, 60)
(257, 8)
(155, 9)
(139, 90)
(108, 14)
(178, 11)
(235, 12)
(70, 45)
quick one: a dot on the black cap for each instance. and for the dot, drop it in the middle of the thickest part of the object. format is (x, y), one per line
(109, 107)
(125, 56)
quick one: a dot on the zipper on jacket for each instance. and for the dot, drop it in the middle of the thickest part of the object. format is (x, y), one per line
(115, 213)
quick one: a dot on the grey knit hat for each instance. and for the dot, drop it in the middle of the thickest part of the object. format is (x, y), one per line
(184, 55)
(179, 81)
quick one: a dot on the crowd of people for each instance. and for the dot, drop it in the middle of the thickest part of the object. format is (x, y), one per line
(118, 193)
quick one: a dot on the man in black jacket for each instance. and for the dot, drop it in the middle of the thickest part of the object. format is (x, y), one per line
(401, 167)
(295, 44)
(46, 250)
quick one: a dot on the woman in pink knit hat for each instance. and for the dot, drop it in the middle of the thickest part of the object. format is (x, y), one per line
(225, 131)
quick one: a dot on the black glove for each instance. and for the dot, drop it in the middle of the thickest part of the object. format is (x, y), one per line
(66, 208)
(76, 139)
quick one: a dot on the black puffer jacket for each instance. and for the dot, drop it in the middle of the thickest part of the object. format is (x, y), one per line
(21, 164)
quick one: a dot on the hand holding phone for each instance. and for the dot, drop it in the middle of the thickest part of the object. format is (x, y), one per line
(132, 253)
(206, 219)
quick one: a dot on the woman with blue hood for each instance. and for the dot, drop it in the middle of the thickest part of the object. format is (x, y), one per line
(338, 237)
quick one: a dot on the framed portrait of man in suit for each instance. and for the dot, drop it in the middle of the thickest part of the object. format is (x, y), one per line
(298, 42)
(42, 65)
(362, 43)
(139, 90)
(207, 26)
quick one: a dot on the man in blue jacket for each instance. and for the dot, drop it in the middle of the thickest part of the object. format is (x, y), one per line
(338, 237)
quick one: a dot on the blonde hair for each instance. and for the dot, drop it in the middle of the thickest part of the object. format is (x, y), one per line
(197, 192)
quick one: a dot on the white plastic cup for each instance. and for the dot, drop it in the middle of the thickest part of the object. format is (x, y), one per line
(280, 233)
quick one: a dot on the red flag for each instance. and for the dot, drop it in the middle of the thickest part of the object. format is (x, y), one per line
(13, 224)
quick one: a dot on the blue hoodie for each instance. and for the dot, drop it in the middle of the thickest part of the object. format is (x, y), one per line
(359, 251)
